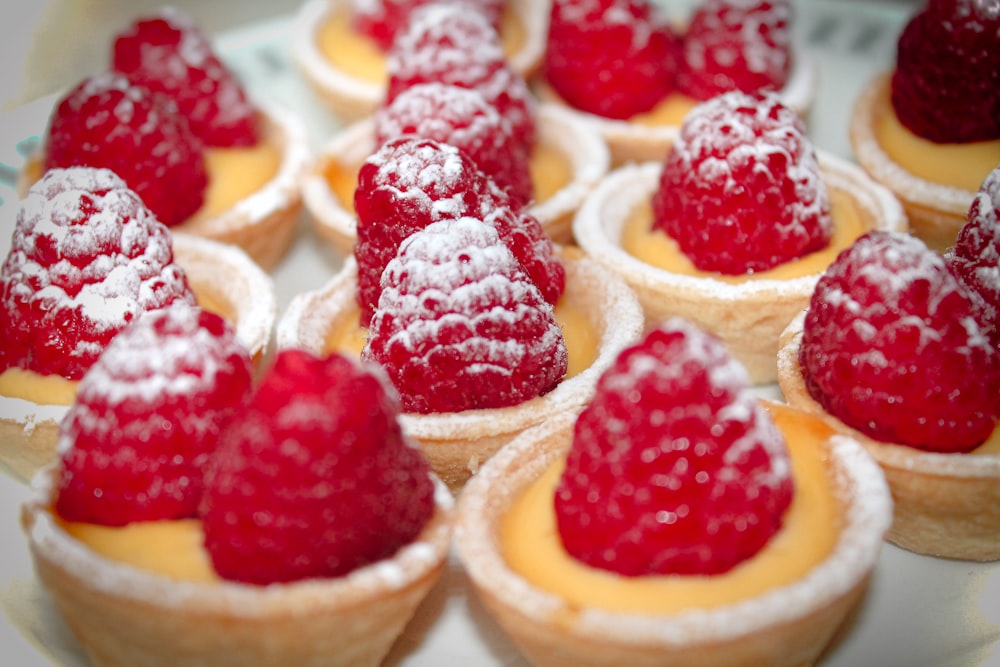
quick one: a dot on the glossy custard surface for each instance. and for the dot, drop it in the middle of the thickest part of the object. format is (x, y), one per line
(37, 388)
(234, 174)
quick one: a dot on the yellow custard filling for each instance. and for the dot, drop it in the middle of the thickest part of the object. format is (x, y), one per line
(360, 57)
(37, 388)
(657, 249)
(670, 111)
(532, 547)
(234, 174)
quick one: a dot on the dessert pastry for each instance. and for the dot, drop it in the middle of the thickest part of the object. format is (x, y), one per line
(214, 163)
(652, 72)
(756, 277)
(118, 261)
(885, 352)
(914, 128)
(348, 69)
(259, 572)
(765, 573)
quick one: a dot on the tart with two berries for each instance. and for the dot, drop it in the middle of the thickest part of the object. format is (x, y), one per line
(733, 228)
(676, 520)
(250, 566)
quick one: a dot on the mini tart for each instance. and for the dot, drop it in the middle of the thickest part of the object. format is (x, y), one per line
(457, 443)
(356, 92)
(936, 211)
(748, 314)
(224, 279)
(945, 505)
(645, 137)
(262, 223)
(784, 626)
(124, 615)
(568, 161)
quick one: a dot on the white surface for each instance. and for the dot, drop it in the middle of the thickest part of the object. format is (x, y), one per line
(920, 611)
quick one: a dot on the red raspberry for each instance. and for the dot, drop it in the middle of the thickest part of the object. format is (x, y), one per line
(460, 325)
(169, 54)
(314, 478)
(736, 45)
(463, 118)
(740, 189)
(106, 121)
(446, 43)
(87, 258)
(946, 85)
(975, 259)
(409, 183)
(891, 346)
(675, 467)
(384, 20)
(612, 58)
(148, 415)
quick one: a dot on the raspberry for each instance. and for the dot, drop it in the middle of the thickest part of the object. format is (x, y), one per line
(384, 20)
(612, 58)
(409, 183)
(975, 259)
(675, 467)
(740, 189)
(446, 43)
(460, 325)
(890, 345)
(147, 416)
(946, 85)
(87, 258)
(169, 54)
(463, 118)
(314, 478)
(106, 121)
(736, 45)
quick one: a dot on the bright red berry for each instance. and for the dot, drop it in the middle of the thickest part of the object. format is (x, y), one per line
(148, 415)
(461, 326)
(107, 121)
(169, 54)
(384, 20)
(736, 45)
(741, 189)
(891, 346)
(314, 478)
(675, 467)
(946, 85)
(87, 258)
(612, 58)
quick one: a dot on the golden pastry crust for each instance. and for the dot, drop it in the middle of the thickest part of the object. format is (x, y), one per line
(945, 505)
(458, 443)
(223, 278)
(748, 316)
(124, 616)
(353, 98)
(936, 212)
(788, 626)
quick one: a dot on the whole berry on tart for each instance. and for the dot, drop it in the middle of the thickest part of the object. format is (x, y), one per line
(740, 190)
(87, 258)
(891, 342)
(384, 20)
(460, 325)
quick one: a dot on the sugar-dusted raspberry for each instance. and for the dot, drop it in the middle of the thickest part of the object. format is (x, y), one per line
(463, 118)
(107, 121)
(675, 467)
(736, 45)
(408, 183)
(946, 85)
(168, 53)
(612, 58)
(87, 258)
(975, 259)
(384, 20)
(314, 478)
(147, 416)
(461, 326)
(741, 189)
(447, 43)
(891, 346)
